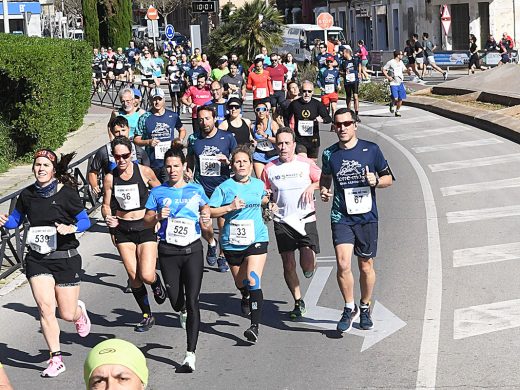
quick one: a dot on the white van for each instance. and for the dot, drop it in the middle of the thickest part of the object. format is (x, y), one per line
(298, 39)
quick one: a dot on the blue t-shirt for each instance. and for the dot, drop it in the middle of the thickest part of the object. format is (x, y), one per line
(348, 169)
(220, 110)
(193, 73)
(161, 127)
(208, 172)
(321, 59)
(251, 193)
(350, 68)
(184, 202)
(160, 65)
(130, 54)
(330, 77)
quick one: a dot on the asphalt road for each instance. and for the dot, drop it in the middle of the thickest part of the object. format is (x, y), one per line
(447, 301)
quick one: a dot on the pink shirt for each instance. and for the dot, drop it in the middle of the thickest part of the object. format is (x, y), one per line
(198, 97)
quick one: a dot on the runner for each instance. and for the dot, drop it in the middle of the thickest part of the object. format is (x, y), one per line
(304, 112)
(278, 73)
(121, 65)
(52, 265)
(217, 103)
(244, 237)
(234, 84)
(362, 55)
(148, 68)
(237, 125)
(429, 48)
(350, 69)
(259, 82)
(130, 55)
(321, 58)
(411, 67)
(179, 206)
(419, 54)
(329, 82)
(292, 67)
(128, 109)
(394, 73)
(159, 70)
(234, 59)
(174, 77)
(156, 132)
(264, 131)
(208, 163)
(282, 116)
(502, 50)
(128, 185)
(293, 180)
(357, 167)
(192, 75)
(195, 97)
(221, 70)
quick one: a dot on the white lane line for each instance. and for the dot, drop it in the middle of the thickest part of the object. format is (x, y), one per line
(401, 121)
(486, 254)
(476, 162)
(430, 132)
(380, 111)
(457, 145)
(482, 214)
(488, 318)
(481, 187)
(326, 259)
(318, 282)
(428, 355)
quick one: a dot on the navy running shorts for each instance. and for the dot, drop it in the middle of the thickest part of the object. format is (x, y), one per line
(362, 236)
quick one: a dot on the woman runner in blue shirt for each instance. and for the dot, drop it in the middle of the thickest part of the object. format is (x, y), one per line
(244, 237)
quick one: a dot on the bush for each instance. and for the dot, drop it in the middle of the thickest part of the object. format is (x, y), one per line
(47, 85)
(375, 92)
(7, 148)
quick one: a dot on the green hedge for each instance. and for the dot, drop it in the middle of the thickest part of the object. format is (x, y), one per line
(47, 90)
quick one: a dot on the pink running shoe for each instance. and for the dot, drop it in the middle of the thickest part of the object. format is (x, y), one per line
(83, 322)
(56, 367)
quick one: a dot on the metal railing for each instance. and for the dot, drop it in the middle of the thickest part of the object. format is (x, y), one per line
(12, 244)
(105, 92)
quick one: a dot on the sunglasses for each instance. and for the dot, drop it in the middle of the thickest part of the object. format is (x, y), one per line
(261, 109)
(345, 123)
(307, 90)
(234, 107)
(122, 156)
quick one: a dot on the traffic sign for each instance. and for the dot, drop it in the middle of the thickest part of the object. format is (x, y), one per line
(152, 13)
(445, 18)
(169, 31)
(203, 6)
(325, 20)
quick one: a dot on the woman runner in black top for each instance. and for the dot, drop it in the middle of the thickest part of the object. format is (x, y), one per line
(128, 185)
(235, 124)
(55, 213)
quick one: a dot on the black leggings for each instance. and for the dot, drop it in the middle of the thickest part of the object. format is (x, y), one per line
(182, 274)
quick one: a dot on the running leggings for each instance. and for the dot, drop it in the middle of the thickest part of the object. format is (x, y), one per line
(182, 274)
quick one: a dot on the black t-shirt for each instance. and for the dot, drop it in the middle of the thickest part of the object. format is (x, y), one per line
(417, 46)
(304, 113)
(408, 50)
(104, 160)
(61, 207)
(473, 48)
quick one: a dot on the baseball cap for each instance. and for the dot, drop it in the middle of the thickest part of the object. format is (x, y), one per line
(157, 92)
(137, 93)
(116, 351)
(224, 57)
(329, 58)
(235, 101)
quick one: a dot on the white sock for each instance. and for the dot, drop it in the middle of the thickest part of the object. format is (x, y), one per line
(350, 305)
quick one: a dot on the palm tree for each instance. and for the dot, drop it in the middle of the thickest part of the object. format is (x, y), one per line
(248, 29)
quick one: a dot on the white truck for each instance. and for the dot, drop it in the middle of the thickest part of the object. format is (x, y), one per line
(298, 39)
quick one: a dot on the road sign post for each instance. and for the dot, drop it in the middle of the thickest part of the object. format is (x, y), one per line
(169, 31)
(446, 23)
(325, 21)
(153, 16)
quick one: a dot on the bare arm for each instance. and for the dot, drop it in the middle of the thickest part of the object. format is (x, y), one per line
(92, 178)
(106, 211)
(325, 184)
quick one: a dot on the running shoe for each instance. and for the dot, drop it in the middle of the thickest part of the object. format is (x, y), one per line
(391, 106)
(347, 319)
(416, 79)
(211, 255)
(397, 113)
(244, 305)
(365, 321)
(55, 368)
(189, 362)
(159, 292)
(309, 274)
(183, 318)
(298, 311)
(128, 288)
(83, 322)
(251, 333)
(146, 324)
(222, 264)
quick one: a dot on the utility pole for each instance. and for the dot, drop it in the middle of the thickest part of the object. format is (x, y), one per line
(6, 16)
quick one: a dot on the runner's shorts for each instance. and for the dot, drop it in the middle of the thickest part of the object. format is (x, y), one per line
(431, 60)
(66, 272)
(277, 98)
(351, 89)
(362, 236)
(329, 98)
(133, 231)
(311, 145)
(238, 257)
(398, 92)
(289, 240)
(419, 60)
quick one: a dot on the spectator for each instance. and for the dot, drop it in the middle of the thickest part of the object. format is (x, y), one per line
(491, 44)
(507, 41)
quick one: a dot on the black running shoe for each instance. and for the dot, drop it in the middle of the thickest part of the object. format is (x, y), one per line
(244, 305)
(146, 324)
(347, 319)
(251, 333)
(159, 292)
(298, 311)
(365, 321)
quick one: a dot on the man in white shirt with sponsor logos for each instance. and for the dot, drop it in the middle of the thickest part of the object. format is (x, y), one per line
(393, 71)
(293, 179)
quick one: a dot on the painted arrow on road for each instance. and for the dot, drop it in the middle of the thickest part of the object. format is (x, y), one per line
(385, 322)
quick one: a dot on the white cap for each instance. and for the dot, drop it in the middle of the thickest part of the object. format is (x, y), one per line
(157, 92)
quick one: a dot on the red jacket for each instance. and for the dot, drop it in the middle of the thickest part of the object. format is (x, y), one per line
(260, 84)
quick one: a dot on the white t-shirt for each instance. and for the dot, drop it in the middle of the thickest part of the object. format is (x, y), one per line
(395, 70)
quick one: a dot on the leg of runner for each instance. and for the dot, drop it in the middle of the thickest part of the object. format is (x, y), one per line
(258, 167)
(146, 262)
(255, 265)
(221, 261)
(209, 235)
(240, 276)
(346, 286)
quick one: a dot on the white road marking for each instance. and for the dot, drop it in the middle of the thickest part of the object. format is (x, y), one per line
(380, 111)
(486, 254)
(457, 145)
(481, 187)
(428, 355)
(401, 121)
(481, 214)
(325, 259)
(476, 162)
(385, 322)
(488, 318)
(430, 132)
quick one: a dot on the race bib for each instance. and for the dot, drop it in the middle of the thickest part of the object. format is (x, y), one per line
(242, 232)
(358, 200)
(119, 65)
(42, 239)
(209, 166)
(127, 196)
(161, 148)
(329, 88)
(350, 77)
(180, 231)
(261, 93)
(277, 85)
(305, 128)
(264, 145)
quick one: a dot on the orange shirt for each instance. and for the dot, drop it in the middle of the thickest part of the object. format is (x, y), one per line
(260, 84)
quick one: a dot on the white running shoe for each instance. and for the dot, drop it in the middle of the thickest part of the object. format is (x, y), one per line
(189, 362)
(55, 368)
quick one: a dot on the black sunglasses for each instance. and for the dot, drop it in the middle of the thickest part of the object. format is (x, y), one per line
(122, 156)
(308, 90)
(344, 123)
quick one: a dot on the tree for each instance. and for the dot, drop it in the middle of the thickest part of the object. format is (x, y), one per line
(166, 7)
(115, 17)
(91, 22)
(249, 28)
